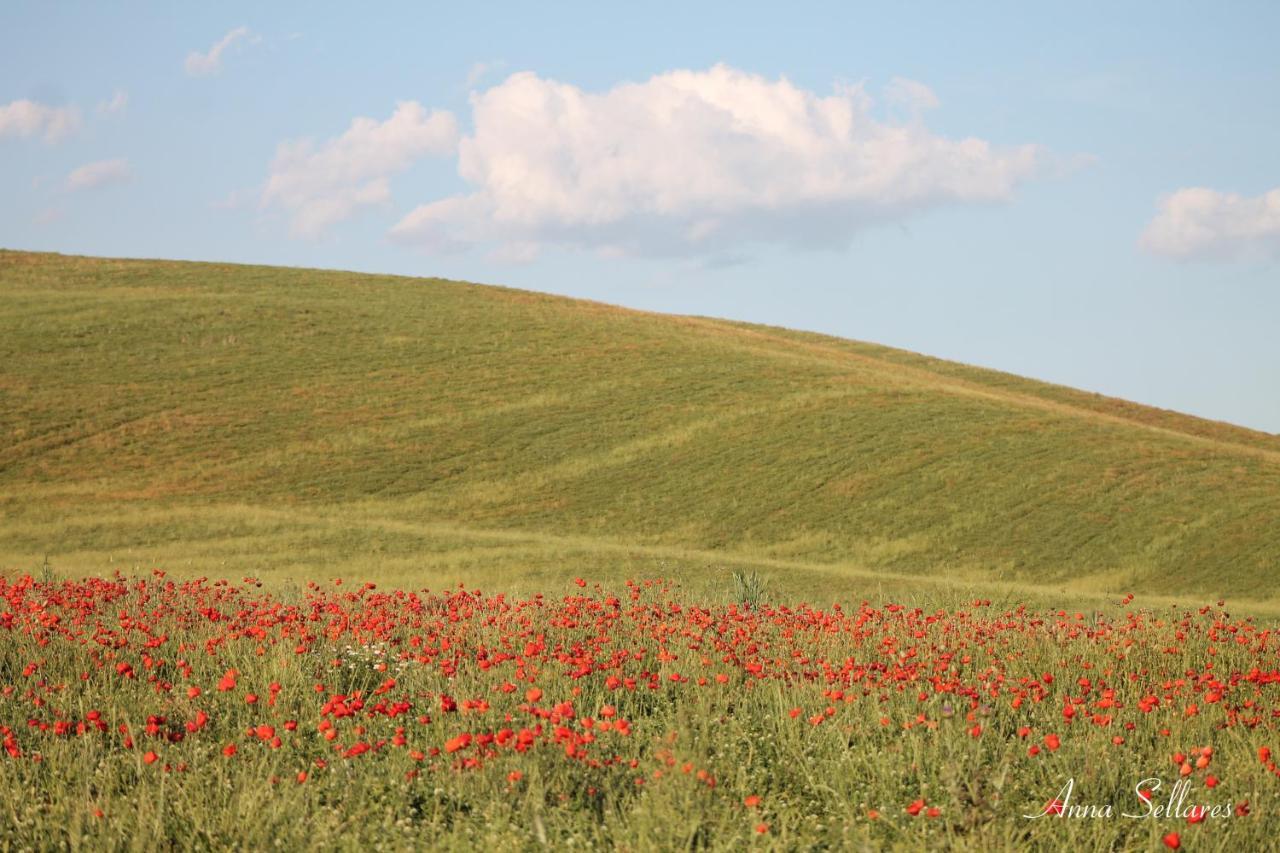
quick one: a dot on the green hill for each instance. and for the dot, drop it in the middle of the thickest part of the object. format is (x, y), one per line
(297, 423)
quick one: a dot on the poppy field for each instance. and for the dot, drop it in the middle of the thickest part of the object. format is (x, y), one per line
(151, 711)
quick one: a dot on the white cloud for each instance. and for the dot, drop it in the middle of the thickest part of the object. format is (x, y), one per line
(699, 162)
(117, 102)
(322, 185)
(28, 118)
(100, 174)
(201, 64)
(1202, 223)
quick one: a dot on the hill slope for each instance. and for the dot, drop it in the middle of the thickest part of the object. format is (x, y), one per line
(253, 420)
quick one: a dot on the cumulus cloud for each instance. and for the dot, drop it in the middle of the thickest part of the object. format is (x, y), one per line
(1202, 223)
(202, 64)
(319, 185)
(700, 162)
(29, 118)
(99, 174)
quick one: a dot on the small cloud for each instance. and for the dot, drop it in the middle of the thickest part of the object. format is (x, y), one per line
(100, 174)
(1200, 223)
(116, 103)
(29, 118)
(48, 216)
(910, 94)
(480, 70)
(321, 185)
(203, 64)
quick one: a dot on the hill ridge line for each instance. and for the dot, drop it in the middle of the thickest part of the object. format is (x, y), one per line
(829, 354)
(967, 388)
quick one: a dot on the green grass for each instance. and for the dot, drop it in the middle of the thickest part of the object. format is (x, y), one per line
(289, 423)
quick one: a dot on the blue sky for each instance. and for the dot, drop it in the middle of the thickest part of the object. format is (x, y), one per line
(1088, 195)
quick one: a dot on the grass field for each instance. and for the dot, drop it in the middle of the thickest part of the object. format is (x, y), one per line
(743, 587)
(286, 423)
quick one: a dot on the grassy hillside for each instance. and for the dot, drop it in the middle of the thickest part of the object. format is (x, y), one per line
(297, 423)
